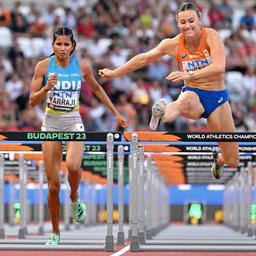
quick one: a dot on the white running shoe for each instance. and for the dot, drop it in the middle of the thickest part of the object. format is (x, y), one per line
(158, 110)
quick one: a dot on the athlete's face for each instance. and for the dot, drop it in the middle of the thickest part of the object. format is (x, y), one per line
(189, 23)
(62, 46)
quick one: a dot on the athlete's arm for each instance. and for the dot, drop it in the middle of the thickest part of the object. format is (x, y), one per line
(140, 60)
(100, 93)
(37, 92)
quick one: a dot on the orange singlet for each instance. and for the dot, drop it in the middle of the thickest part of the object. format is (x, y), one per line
(193, 60)
(188, 60)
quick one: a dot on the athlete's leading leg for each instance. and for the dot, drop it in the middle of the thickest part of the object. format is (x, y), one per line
(52, 152)
(75, 151)
(187, 105)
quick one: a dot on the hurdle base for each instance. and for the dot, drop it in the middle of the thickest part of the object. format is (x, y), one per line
(243, 230)
(149, 235)
(134, 245)
(129, 234)
(22, 233)
(142, 239)
(2, 233)
(109, 245)
(41, 231)
(120, 238)
(67, 227)
(250, 232)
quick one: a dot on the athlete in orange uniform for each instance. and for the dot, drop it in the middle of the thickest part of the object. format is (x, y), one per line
(200, 54)
(191, 61)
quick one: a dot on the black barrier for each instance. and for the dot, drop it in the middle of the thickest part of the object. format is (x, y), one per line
(197, 137)
(53, 136)
(119, 136)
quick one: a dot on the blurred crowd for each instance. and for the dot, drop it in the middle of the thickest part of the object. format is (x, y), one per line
(108, 33)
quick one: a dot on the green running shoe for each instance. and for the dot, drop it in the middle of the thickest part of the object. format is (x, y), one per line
(53, 240)
(158, 110)
(79, 211)
(216, 168)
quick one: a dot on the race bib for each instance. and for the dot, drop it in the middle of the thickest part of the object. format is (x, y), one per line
(62, 100)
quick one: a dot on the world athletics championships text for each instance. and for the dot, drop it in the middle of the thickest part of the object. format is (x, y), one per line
(222, 136)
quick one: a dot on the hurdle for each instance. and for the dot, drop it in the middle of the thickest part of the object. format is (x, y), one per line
(26, 242)
(120, 234)
(41, 203)
(138, 199)
(2, 231)
(239, 196)
(195, 238)
(152, 213)
(109, 244)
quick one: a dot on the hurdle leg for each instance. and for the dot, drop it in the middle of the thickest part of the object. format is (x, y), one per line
(109, 242)
(141, 199)
(134, 246)
(2, 231)
(23, 176)
(120, 234)
(41, 199)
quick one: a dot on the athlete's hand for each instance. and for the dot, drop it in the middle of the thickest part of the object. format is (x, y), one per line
(122, 121)
(52, 80)
(177, 76)
(106, 73)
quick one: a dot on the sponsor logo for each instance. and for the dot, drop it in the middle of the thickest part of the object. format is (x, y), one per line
(63, 75)
(196, 64)
(206, 53)
(220, 99)
(184, 55)
(75, 74)
(191, 56)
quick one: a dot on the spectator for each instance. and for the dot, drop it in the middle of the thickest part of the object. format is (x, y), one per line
(14, 87)
(158, 70)
(227, 12)
(215, 16)
(7, 113)
(19, 25)
(248, 20)
(14, 53)
(114, 26)
(249, 81)
(127, 109)
(37, 27)
(85, 27)
(5, 16)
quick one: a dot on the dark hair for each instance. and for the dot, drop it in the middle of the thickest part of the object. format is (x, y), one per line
(64, 31)
(188, 6)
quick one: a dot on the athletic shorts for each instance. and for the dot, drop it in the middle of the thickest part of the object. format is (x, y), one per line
(67, 122)
(209, 99)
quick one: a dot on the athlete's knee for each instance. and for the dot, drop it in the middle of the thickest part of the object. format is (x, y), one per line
(54, 189)
(73, 168)
(184, 105)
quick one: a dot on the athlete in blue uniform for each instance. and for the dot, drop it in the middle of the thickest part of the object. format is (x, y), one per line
(59, 78)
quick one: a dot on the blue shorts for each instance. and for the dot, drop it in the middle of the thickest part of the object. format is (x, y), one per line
(209, 99)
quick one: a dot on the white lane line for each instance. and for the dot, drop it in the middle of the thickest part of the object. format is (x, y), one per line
(122, 251)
